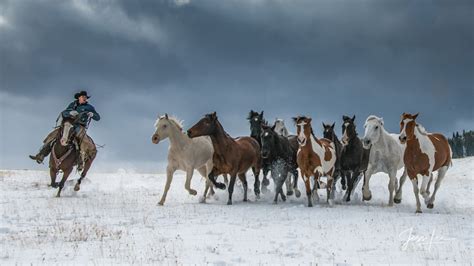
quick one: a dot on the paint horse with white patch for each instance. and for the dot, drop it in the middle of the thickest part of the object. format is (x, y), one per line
(316, 157)
(386, 155)
(184, 154)
(425, 153)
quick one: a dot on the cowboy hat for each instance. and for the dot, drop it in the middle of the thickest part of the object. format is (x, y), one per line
(81, 93)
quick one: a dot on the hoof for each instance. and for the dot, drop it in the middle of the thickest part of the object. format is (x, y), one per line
(418, 211)
(367, 198)
(275, 202)
(344, 187)
(430, 205)
(202, 199)
(229, 202)
(283, 198)
(330, 202)
(54, 185)
(289, 193)
(397, 201)
(310, 205)
(193, 192)
(265, 182)
(77, 187)
(257, 196)
(161, 203)
(298, 194)
(245, 200)
(220, 186)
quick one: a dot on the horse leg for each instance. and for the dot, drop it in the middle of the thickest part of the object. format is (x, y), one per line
(343, 180)
(212, 177)
(424, 185)
(226, 179)
(295, 182)
(187, 184)
(414, 181)
(308, 190)
(392, 183)
(441, 173)
(203, 172)
(356, 177)
(398, 195)
(243, 179)
(169, 176)
(329, 187)
(256, 184)
(231, 188)
(349, 176)
(265, 180)
(429, 184)
(66, 174)
(316, 186)
(366, 193)
(87, 166)
(53, 173)
(289, 187)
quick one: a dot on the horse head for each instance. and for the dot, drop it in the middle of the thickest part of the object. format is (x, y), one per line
(268, 138)
(407, 127)
(205, 127)
(256, 121)
(303, 129)
(328, 131)
(373, 130)
(66, 132)
(163, 126)
(348, 129)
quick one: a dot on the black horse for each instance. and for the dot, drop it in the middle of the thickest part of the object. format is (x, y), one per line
(328, 133)
(278, 152)
(256, 122)
(354, 158)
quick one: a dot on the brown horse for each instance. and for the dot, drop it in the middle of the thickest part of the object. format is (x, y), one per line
(231, 156)
(64, 157)
(316, 157)
(425, 153)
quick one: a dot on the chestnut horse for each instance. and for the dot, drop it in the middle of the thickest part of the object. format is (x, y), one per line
(315, 157)
(64, 156)
(424, 153)
(231, 156)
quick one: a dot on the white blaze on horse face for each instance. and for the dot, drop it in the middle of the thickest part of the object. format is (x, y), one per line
(65, 136)
(301, 136)
(345, 138)
(403, 132)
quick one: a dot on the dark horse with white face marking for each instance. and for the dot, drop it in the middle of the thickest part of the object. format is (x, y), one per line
(231, 156)
(282, 158)
(64, 156)
(354, 158)
(256, 123)
(328, 133)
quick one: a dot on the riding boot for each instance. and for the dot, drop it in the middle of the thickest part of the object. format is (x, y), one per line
(44, 151)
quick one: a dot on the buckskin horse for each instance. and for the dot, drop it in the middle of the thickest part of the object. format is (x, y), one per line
(64, 156)
(424, 153)
(231, 156)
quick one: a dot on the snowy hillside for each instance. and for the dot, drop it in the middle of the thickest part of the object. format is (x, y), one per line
(115, 218)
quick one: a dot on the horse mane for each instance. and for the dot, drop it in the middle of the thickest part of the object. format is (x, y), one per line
(373, 117)
(421, 129)
(175, 120)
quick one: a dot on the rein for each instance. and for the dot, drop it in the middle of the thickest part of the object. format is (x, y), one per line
(57, 160)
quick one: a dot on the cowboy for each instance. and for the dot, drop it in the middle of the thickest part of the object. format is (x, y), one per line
(82, 111)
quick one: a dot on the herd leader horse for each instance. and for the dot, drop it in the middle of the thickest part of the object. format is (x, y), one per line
(64, 156)
(231, 156)
(424, 153)
(316, 157)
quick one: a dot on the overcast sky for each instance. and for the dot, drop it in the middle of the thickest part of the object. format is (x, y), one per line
(139, 59)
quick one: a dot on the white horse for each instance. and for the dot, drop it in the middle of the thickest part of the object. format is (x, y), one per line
(280, 127)
(184, 154)
(386, 155)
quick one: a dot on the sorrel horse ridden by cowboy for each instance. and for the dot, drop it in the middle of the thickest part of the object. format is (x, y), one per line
(231, 156)
(424, 153)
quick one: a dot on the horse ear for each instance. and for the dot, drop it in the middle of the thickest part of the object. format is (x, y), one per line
(295, 119)
(324, 125)
(345, 117)
(309, 120)
(415, 116)
(166, 116)
(381, 121)
(261, 114)
(214, 116)
(353, 118)
(273, 127)
(333, 124)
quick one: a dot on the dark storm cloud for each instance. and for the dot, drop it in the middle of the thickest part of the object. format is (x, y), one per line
(321, 58)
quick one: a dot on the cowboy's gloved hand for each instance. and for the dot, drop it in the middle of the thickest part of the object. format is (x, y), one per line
(73, 113)
(90, 114)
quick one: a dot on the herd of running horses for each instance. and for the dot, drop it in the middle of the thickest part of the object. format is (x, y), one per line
(209, 149)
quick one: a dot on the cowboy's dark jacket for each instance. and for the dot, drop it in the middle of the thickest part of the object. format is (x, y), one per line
(82, 109)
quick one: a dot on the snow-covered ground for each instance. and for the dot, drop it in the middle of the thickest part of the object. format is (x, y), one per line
(115, 219)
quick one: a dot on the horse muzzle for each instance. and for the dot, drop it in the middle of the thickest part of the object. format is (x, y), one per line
(302, 142)
(155, 139)
(403, 139)
(366, 143)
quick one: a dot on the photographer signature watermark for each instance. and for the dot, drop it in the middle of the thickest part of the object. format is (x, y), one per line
(421, 241)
